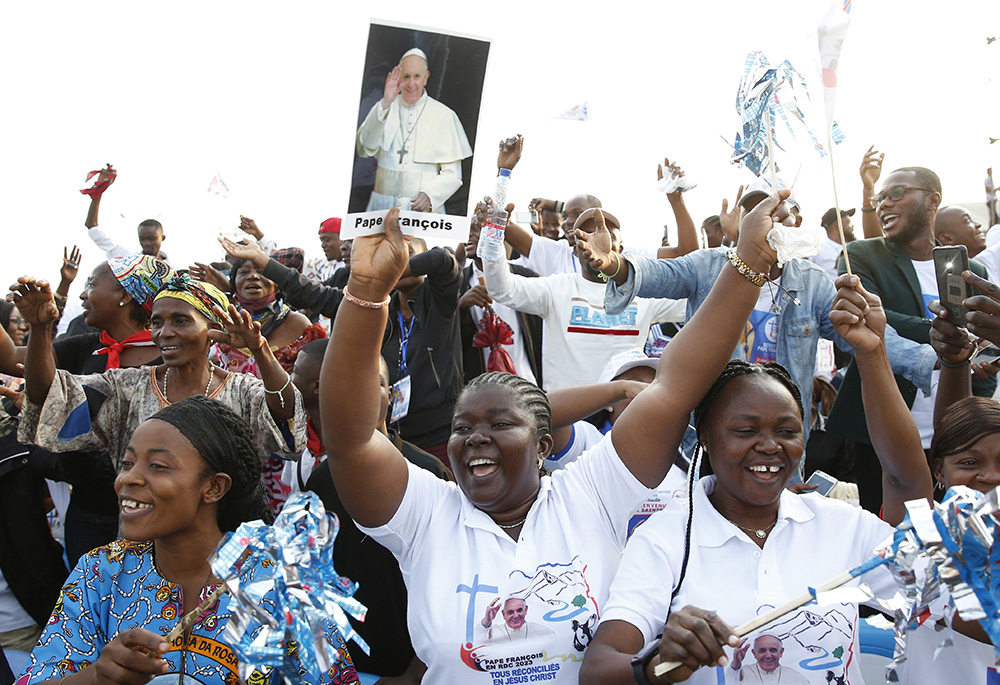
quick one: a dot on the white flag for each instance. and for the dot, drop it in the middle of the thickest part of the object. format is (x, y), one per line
(579, 113)
(831, 35)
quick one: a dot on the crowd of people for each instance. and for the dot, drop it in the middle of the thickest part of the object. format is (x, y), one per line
(571, 463)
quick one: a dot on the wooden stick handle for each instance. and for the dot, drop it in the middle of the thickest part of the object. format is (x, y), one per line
(772, 615)
(192, 616)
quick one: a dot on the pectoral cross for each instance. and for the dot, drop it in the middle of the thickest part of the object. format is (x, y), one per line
(402, 153)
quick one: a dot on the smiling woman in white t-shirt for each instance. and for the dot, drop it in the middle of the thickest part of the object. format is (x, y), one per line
(505, 537)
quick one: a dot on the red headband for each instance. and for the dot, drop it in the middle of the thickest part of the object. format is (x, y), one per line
(330, 226)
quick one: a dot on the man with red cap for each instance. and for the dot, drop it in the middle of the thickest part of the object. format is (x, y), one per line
(321, 269)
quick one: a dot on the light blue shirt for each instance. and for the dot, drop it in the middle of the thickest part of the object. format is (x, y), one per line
(799, 326)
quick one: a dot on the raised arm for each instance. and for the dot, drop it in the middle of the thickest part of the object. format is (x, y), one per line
(370, 474)
(871, 169)
(570, 405)
(652, 426)
(38, 307)
(687, 233)
(859, 319)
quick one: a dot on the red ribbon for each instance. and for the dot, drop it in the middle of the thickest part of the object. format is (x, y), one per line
(100, 186)
(113, 348)
(494, 333)
(314, 440)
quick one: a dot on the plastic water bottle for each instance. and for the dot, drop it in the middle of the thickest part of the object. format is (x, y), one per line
(490, 245)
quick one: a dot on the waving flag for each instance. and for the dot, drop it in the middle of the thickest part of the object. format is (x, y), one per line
(218, 187)
(831, 35)
(580, 112)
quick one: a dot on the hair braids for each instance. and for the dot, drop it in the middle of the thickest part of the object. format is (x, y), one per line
(529, 396)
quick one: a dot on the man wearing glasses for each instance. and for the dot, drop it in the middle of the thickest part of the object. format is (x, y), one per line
(899, 268)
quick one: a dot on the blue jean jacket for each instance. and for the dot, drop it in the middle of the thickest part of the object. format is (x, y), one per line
(799, 326)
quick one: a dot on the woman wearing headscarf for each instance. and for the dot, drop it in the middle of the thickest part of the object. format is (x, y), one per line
(117, 300)
(188, 474)
(64, 412)
(286, 331)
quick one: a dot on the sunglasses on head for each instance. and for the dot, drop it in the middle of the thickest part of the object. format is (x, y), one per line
(894, 193)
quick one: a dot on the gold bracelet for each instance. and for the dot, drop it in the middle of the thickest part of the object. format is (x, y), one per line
(758, 279)
(365, 303)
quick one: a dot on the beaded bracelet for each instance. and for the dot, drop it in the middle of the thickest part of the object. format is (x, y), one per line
(279, 393)
(367, 304)
(758, 279)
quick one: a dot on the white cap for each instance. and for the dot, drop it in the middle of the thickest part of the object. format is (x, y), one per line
(623, 361)
(414, 51)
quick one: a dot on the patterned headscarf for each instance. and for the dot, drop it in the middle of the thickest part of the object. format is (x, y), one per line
(141, 276)
(201, 296)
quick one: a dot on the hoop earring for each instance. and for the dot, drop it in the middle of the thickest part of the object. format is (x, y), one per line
(938, 485)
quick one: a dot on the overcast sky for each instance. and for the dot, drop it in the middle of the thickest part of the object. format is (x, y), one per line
(266, 95)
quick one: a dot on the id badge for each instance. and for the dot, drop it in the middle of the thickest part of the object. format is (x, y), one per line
(400, 403)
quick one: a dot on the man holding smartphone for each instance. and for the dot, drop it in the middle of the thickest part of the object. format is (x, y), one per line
(899, 268)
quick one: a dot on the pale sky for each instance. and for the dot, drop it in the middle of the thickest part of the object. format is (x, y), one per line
(266, 95)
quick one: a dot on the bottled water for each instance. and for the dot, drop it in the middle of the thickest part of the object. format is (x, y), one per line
(490, 245)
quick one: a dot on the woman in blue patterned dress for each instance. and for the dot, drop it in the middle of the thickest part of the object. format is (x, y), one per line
(189, 473)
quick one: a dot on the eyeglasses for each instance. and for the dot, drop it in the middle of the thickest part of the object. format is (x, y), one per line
(894, 193)
(18, 321)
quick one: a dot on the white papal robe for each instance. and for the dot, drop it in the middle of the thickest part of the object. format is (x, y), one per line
(431, 162)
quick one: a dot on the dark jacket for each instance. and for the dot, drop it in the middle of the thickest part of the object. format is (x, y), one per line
(300, 292)
(434, 348)
(887, 271)
(381, 587)
(31, 561)
(473, 358)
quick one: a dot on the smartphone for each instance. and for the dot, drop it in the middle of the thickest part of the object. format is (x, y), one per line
(824, 482)
(949, 263)
(526, 217)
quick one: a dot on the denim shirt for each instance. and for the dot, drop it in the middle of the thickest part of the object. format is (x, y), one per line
(799, 326)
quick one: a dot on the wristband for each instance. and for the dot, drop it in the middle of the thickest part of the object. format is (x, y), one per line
(642, 659)
(867, 209)
(954, 365)
(606, 278)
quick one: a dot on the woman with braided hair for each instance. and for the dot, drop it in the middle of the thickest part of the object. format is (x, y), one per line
(744, 545)
(189, 474)
(507, 570)
(63, 412)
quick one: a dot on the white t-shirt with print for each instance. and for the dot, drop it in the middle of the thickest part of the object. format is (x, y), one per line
(814, 540)
(456, 561)
(923, 406)
(579, 337)
(547, 257)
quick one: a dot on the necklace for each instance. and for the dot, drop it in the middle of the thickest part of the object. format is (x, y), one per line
(518, 523)
(403, 151)
(761, 533)
(166, 372)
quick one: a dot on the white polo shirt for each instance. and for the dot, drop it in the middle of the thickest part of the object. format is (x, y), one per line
(456, 561)
(814, 540)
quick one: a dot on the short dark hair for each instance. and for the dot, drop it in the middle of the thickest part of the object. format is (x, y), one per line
(315, 349)
(528, 395)
(925, 177)
(223, 440)
(152, 223)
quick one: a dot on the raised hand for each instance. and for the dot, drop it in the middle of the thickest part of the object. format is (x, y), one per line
(206, 273)
(249, 226)
(857, 315)
(241, 330)
(667, 176)
(871, 167)
(740, 653)
(752, 245)
(70, 265)
(250, 251)
(491, 612)
(510, 152)
(133, 657)
(730, 220)
(391, 86)
(596, 247)
(983, 315)
(34, 300)
(377, 261)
